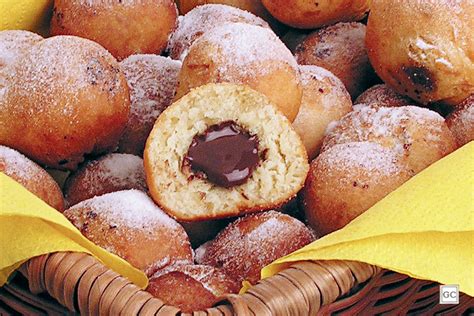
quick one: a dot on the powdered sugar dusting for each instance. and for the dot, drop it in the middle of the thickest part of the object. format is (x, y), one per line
(152, 80)
(121, 169)
(386, 124)
(203, 18)
(368, 156)
(244, 45)
(131, 208)
(383, 96)
(248, 244)
(13, 162)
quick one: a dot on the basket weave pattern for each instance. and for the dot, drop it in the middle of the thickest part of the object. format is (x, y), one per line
(79, 283)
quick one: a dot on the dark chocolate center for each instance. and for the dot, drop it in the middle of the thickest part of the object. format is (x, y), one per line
(225, 153)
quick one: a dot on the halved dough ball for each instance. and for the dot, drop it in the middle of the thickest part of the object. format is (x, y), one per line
(191, 287)
(461, 121)
(202, 19)
(123, 27)
(110, 173)
(325, 99)
(382, 95)
(34, 178)
(130, 225)
(247, 245)
(68, 99)
(152, 81)
(418, 134)
(220, 151)
(340, 49)
(310, 14)
(423, 49)
(346, 180)
(13, 44)
(244, 54)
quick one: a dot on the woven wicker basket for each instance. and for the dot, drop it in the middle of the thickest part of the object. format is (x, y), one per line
(63, 283)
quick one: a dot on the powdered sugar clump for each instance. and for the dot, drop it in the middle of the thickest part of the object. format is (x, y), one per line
(244, 47)
(202, 19)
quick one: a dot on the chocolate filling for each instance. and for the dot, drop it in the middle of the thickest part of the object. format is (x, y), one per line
(225, 153)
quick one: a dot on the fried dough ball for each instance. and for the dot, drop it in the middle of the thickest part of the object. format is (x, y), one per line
(423, 49)
(346, 180)
(123, 27)
(67, 99)
(202, 19)
(130, 225)
(244, 54)
(14, 44)
(110, 173)
(340, 49)
(244, 247)
(221, 151)
(152, 81)
(418, 134)
(461, 121)
(34, 178)
(325, 99)
(191, 287)
(382, 95)
(307, 14)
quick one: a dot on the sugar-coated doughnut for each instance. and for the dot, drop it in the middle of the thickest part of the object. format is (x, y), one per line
(423, 49)
(130, 225)
(67, 99)
(152, 81)
(220, 151)
(348, 179)
(244, 247)
(202, 19)
(381, 95)
(340, 48)
(13, 44)
(325, 99)
(418, 134)
(124, 27)
(461, 121)
(34, 178)
(309, 14)
(191, 287)
(110, 173)
(244, 54)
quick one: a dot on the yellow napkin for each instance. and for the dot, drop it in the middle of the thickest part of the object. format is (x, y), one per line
(424, 229)
(31, 15)
(29, 227)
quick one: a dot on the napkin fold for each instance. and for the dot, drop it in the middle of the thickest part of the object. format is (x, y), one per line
(424, 229)
(31, 15)
(29, 227)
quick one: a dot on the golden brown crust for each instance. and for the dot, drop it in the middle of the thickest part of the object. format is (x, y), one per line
(244, 54)
(130, 225)
(340, 48)
(110, 173)
(123, 27)
(461, 121)
(68, 99)
(34, 178)
(423, 49)
(308, 14)
(325, 99)
(348, 179)
(244, 247)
